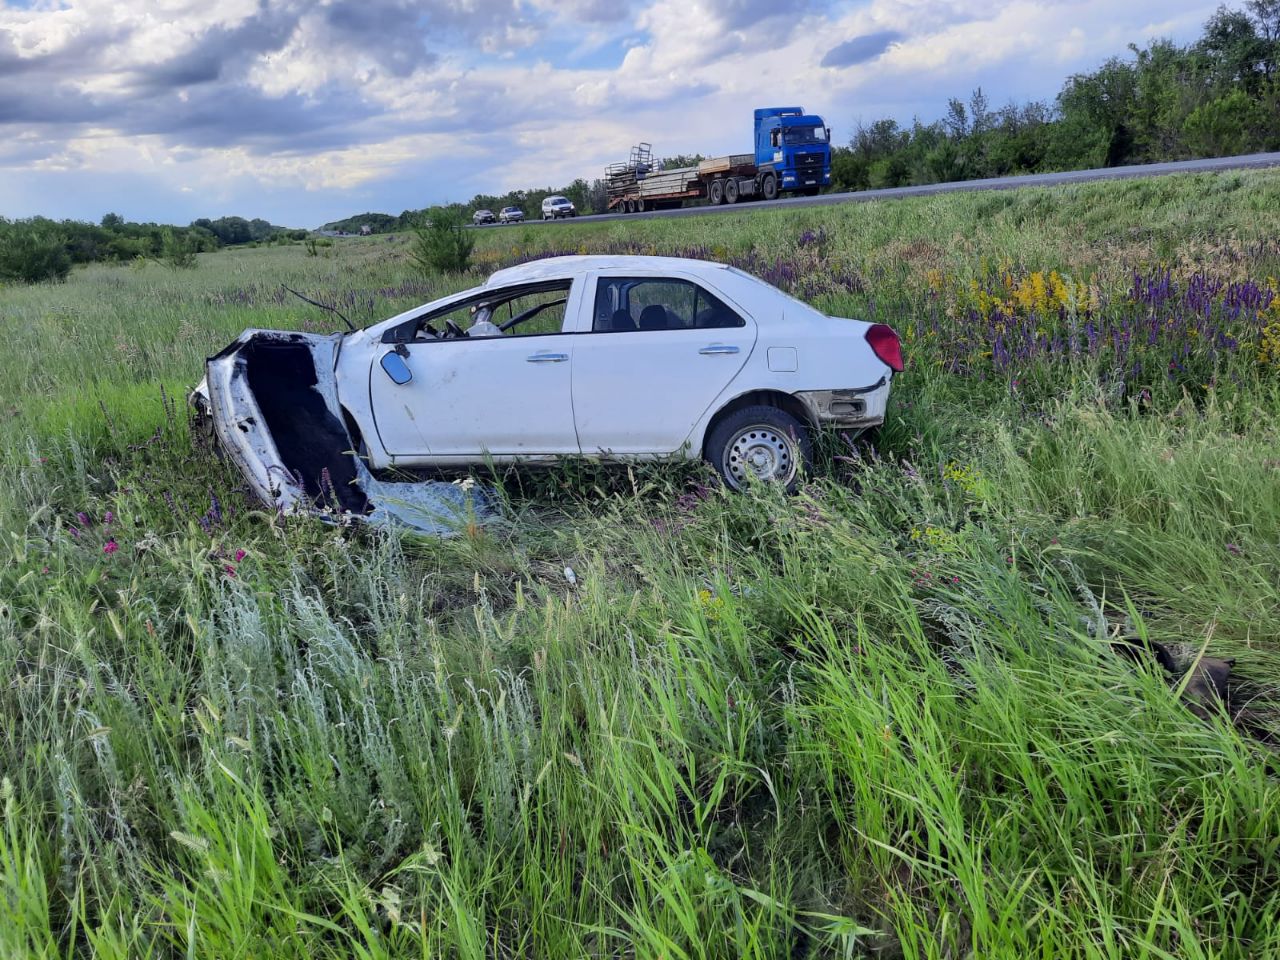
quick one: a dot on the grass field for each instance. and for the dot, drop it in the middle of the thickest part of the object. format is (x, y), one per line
(883, 717)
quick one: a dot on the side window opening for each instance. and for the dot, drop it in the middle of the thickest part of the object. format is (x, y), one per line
(513, 312)
(626, 304)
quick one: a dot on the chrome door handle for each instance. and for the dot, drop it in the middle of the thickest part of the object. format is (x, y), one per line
(717, 349)
(547, 357)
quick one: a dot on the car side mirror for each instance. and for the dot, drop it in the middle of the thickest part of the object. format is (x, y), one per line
(395, 367)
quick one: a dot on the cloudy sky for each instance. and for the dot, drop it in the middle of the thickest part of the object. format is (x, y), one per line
(302, 111)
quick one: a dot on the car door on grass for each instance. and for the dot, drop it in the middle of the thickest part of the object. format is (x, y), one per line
(660, 350)
(501, 392)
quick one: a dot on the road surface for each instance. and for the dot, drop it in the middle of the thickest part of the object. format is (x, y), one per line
(1250, 161)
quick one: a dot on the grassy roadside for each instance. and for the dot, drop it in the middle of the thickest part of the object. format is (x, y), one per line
(883, 716)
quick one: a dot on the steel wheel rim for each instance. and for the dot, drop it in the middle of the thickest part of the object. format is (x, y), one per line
(761, 451)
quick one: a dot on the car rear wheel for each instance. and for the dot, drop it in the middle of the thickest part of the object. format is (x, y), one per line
(760, 443)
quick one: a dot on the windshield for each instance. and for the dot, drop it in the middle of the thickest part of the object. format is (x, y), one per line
(796, 136)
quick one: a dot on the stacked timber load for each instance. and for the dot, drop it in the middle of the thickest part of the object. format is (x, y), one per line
(722, 165)
(669, 182)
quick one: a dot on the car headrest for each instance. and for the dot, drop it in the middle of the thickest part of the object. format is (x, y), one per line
(621, 320)
(653, 317)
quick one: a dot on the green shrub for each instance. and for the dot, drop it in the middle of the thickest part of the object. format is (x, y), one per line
(441, 244)
(32, 255)
(178, 251)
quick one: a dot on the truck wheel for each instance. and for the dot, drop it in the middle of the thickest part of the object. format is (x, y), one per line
(640, 205)
(770, 187)
(715, 193)
(761, 443)
(731, 191)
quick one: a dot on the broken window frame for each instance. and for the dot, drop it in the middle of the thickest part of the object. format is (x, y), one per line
(406, 331)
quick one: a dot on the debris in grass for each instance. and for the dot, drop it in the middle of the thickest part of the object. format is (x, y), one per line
(1204, 680)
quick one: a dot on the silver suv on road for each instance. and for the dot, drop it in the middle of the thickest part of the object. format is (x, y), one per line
(553, 208)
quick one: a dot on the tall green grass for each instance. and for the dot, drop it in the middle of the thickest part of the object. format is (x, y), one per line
(884, 717)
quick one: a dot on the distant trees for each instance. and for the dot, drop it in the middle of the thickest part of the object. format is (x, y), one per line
(39, 249)
(1215, 97)
(235, 230)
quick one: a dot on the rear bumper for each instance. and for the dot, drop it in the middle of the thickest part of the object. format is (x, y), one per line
(849, 408)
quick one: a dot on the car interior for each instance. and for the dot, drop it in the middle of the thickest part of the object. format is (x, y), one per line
(626, 304)
(523, 311)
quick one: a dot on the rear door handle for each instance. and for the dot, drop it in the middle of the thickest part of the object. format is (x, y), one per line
(716, 349)
(547, 357)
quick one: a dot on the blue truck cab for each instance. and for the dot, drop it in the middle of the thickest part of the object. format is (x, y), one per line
(796, 145)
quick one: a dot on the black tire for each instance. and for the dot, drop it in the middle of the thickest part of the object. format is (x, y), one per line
(715, 193)
(778, 444)
(640, 205)
(769, 187)
(731, 191)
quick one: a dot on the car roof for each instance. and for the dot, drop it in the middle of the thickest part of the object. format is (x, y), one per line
(549, 268)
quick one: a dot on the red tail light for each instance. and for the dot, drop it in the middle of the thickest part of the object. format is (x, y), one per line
(886, 345)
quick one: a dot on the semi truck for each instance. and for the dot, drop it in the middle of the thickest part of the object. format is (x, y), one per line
(792, 154)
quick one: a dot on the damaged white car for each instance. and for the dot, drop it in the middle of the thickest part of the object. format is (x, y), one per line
(611, 356)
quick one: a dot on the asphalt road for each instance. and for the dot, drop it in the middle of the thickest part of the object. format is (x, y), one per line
(1250, 161)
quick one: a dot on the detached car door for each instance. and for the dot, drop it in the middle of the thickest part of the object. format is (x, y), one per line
(505, 394)
(659, 352)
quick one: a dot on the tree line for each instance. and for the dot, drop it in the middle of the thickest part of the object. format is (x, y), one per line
(38, 248)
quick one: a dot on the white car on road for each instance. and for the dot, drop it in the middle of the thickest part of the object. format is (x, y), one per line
(610, 356)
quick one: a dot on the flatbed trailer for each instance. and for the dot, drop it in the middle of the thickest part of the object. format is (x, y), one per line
(636, 186)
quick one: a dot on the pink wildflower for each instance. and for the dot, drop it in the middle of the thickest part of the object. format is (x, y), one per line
(231, 571)
(241, 554)
(110, 547)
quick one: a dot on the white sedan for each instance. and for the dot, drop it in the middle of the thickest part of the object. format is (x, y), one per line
(610, 356)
